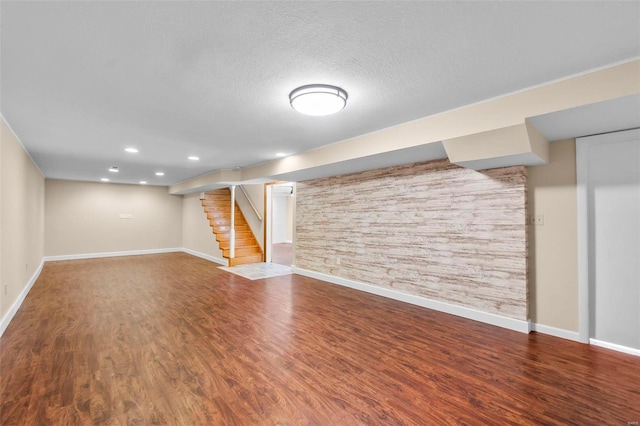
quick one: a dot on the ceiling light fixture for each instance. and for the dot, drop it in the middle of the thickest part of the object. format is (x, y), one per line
(318, 99)
(131, 150)
(113, 169)
(193, 158)
(159, 173)
(281, 154)
(104, 179)
(143, 182)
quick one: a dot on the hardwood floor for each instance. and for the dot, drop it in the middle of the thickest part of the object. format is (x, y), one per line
(171, 339)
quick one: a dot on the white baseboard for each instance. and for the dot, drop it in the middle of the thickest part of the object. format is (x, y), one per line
(23, 294)
(613, 346)
(461, 311)
(206, 256)
(556, 332)
(109, 254)
(135, 253)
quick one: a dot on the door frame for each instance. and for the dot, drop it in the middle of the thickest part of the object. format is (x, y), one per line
(268, 197)
(585, 255)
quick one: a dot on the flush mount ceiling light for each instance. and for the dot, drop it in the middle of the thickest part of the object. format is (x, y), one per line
(104, 180)
(143, 182)
(159, 173)
(131, 150)
(318, 99)
(193, 158)
(113, 169)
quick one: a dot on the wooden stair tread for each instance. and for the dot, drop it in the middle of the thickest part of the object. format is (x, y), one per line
(226, 216)
(220, 229)
(216, 205)
(242, 260)
(248, 249)
(239, 244)
(225, 221)
(242, 253)
(218, 208)
(224, 236)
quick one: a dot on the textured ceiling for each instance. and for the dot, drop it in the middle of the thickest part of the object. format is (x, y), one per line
(80, 81)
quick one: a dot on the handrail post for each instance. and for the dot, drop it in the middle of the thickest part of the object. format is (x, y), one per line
(232, 226)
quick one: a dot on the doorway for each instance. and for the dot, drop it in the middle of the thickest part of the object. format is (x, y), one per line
(608, 169)
(279, 222)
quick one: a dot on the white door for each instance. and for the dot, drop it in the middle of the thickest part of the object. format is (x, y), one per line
(609, 193)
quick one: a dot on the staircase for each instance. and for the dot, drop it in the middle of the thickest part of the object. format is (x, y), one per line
(217, 206)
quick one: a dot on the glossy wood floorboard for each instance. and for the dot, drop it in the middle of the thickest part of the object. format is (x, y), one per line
(171, 339)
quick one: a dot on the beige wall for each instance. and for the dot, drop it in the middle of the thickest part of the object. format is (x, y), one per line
(83, 217)
(553, 250)
(21, 218)
(429, 229)
(196, 232)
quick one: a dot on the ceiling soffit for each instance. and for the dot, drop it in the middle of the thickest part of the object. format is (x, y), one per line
(493, 133)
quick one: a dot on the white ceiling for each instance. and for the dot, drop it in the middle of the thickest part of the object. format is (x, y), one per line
(80, 81)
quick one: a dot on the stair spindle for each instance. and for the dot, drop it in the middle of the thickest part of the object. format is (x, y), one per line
(232, 226)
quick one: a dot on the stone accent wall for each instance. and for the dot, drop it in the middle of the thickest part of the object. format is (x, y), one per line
(430, 229)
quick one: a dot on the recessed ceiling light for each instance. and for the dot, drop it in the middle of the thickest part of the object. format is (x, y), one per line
(131, 150)
(318, 99)
(104, 180)
(143, 182)
(193, 158)
(113, 169)
(159, 173)
(281, 154)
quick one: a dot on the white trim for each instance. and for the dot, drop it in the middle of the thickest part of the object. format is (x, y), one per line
(23, 294)
(135, 253)
(268, 219)
(523, 326)
(613, 346)
(556, 332)
(21, 144)
(206, 256)
(110, 254)
(584, 256)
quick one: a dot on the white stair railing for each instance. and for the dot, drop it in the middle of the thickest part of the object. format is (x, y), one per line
(232, 226)
(253, 207)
